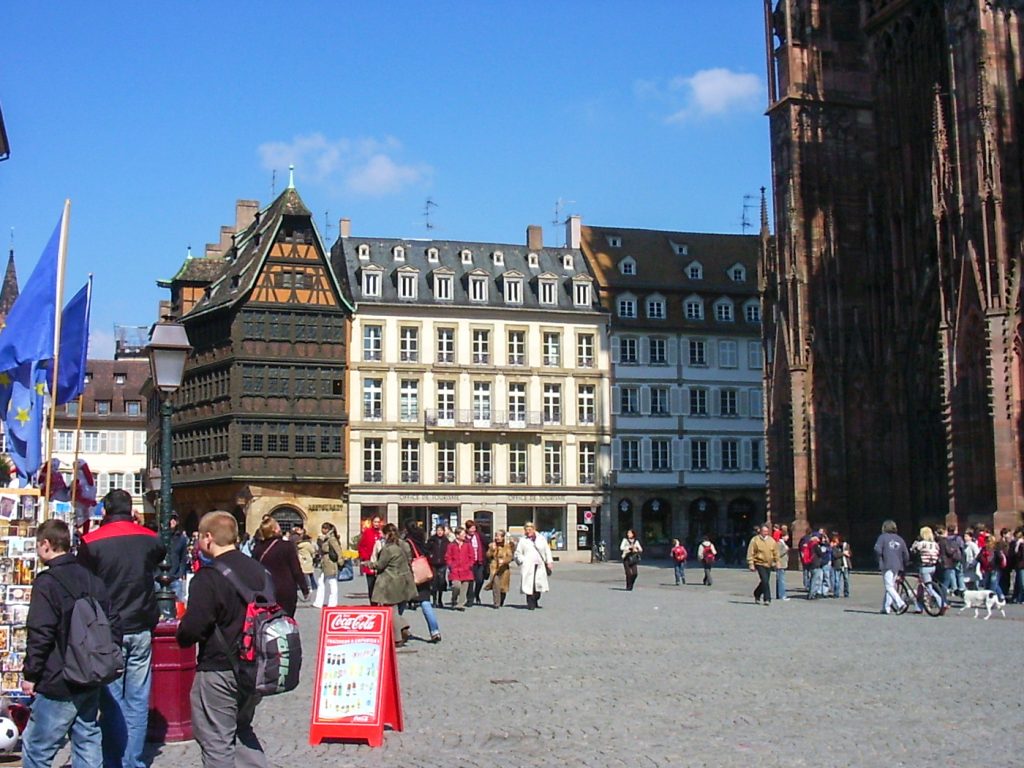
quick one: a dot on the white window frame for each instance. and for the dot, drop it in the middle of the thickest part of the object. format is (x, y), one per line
(656, 308)
(409, 344)
(585, 350)
(728, 355)
(477, 289)
(548, 291)
(408, 286)
(443, 287)
(626, 307)
(724, 311)
(371, 283)
(373, 343)
(515, 346)
(552, 341)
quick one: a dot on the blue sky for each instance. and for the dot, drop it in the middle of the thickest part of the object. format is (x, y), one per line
(154, 118)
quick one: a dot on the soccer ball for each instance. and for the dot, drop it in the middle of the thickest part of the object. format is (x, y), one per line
(8, 735)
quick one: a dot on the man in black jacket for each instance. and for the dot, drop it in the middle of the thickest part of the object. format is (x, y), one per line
(221, 713)
(125, 556)
(59, 706)
(177, 556)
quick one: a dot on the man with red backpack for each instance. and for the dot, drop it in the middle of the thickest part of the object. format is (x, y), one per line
(222, 710)
(678, 554)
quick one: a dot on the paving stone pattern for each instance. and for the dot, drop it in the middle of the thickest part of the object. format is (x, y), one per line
(682, 676)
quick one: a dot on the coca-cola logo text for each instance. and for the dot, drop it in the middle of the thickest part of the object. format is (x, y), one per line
(353, 622)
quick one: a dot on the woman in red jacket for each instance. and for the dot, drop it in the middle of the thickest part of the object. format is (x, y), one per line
(460, 559)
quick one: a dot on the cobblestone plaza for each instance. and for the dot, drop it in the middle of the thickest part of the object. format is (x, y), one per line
(682, 676)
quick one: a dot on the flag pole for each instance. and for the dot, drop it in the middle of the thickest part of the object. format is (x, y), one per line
(62, 251)
(81, 402)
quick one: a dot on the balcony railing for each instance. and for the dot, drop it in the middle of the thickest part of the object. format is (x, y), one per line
(372, 476)
(444, 478)
(445, 357)
(481, 358)
(552, 361)
(518, 478)
(553, 416)
(516, 359)
(482, 477)
(483, 419)
(410, 477)
(584, 362)
(587, 479)
(409, 356)
(552, 478)
(371, 413)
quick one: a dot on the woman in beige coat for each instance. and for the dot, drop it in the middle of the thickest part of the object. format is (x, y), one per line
(499, 558)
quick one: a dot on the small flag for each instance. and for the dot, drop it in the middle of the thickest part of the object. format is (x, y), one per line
(74, 347)
(23, 421)
(28, 333)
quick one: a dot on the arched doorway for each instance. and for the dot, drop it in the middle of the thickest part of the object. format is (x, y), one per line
(656, 522)
(704, 517)
(741, 514)
(288, 517)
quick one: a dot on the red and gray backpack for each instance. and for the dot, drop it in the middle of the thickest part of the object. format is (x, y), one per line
(268, 656)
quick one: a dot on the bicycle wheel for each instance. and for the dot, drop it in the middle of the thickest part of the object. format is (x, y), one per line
(930, 602)
(905, 596)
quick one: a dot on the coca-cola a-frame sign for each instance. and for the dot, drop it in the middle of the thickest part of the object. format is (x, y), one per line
(355, 693)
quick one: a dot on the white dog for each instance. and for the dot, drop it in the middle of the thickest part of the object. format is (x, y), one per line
(983, 598)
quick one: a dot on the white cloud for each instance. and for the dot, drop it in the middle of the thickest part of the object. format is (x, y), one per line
(365, 166)
(101, 345)
(706, 93)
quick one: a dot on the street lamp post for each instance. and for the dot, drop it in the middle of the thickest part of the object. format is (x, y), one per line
(168, 350)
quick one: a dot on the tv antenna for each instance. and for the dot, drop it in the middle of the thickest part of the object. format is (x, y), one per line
(744, 218)
(558, 221)
(273, 184)
(426, 213)
(327, 226)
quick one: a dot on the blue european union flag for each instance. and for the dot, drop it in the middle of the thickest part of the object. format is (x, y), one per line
(23, 420)
(74, 347)
(28, 333)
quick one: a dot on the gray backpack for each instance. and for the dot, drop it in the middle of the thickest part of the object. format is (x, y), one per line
(91, 657)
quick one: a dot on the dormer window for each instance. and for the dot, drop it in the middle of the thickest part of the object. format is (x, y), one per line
(235, 280)
(582, 295)
(681, 249)
(478, 288)
(548, 290)
(694, 271)
(513, 284)
(398, 253)
(656, 308)
(738, 273)
(408, 279)
(627, 307)
(752, 311)
(723, 311)
(628, 266)
(120, 378)
(533, 260)
(693, 308)
(432, 255)
(363, 252)
(614, 241)
(466, 256)
(443, 287)
(499, 258)
(371, 283)
(567, 261)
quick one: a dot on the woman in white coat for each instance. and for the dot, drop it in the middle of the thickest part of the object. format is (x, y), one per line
(533, 556)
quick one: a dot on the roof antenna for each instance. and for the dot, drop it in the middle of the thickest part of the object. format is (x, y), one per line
(558, 221)
(426, 213)
(327, 225)
(744, 218)
(273, 183)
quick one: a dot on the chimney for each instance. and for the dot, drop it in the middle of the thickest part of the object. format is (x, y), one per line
(572, 231)
(534, 237)
(245, 213)
(344, 227)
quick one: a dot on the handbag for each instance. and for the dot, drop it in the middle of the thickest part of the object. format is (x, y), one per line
(346, 572)
(422, 572)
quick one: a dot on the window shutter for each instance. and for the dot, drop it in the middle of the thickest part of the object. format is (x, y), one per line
(678, 447)
(616, 401)
(615, 349)
(644, 351)
(677, 400)
(645, 399)
(715, 406)
(671, 350)
(616, 454)
(742, 398)
(746, 458)
(716, 454)
(645, 454)
(712, 353)
(687, 458)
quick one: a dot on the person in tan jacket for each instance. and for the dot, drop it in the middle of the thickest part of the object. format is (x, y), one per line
(763, 557)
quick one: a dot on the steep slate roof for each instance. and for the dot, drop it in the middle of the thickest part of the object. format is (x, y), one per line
(246, 257)
(344, 256)
(661, 270)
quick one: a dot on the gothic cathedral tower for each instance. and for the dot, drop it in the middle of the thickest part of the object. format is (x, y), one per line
(892, 287)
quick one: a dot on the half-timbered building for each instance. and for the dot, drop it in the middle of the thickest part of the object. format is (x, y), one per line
(259, 421)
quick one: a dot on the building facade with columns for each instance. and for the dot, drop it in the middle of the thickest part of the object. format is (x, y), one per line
(686, 370)
(479, 386)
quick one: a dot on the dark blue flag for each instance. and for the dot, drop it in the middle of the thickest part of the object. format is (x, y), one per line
(23, 421)
(28, 332)
(74, 347)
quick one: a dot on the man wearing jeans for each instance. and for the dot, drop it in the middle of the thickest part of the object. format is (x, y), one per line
(893, 558)
(58, 707)
(125, 556)
(763, 557)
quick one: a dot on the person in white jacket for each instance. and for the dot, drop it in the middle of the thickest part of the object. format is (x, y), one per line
(972, 575)
(533, 556)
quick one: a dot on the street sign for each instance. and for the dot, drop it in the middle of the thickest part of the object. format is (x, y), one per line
(588, 516)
